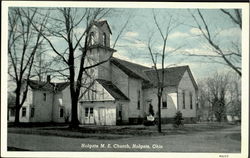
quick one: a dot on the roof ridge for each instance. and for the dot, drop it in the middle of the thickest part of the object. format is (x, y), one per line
(166, 68)
(130, 62)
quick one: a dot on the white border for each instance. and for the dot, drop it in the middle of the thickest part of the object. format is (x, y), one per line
(245, 76)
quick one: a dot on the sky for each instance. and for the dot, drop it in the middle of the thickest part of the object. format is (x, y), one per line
(132, 46)
(133, 42)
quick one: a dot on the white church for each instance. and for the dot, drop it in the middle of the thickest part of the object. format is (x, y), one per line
(120, 93)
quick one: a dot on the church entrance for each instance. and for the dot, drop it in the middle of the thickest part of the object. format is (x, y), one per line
(89, 115)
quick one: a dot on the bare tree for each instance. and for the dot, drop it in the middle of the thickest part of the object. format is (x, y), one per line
(234, 96)
(64, 26)
(23, 43)
(160, 73)
(230, 56)
(205, 108)
(217, 88)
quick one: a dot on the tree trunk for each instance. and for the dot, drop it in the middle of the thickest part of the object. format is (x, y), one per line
(74, 113)
(17, 106)
(159, 113)
(74, 118)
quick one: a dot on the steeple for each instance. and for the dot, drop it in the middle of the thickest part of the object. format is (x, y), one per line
(99, 49)
(100, 34)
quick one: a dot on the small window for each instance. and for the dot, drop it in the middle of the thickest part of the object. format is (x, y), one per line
(61, 112)
(23, 111)
(104, 39)
(164, 101)
(120, 112)
(86, 112)
(91, 111)
(32, 112)
(191, 100)
(183, 99)
(164, 104)
(44, 97)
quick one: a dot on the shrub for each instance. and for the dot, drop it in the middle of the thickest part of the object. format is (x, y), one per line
(178, 119)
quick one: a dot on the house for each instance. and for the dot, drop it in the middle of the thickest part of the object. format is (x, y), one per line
(120, 91)
(45, 102)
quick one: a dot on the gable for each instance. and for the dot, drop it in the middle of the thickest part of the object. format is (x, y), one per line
(172, 76)
(114, 91)
(187, 81)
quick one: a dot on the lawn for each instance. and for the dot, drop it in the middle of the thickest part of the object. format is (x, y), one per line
(115, 132)
(201, 137)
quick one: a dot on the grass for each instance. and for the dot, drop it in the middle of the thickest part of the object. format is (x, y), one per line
(114, 132)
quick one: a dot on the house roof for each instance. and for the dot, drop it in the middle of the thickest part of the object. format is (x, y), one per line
(131, 69)
(41, 85)
(100, 23)
(61, 86)
(112, 89)
(47, 86)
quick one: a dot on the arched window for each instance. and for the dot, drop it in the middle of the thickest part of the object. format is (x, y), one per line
(92, 38)
(104, 39)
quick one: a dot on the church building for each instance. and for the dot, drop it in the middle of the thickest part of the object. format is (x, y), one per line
(118, 91)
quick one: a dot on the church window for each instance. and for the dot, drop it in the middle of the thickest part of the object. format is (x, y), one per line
(183, 99)
(164, 101)
(191, 101)
(104, 39)
(61, 112)
(44, 96)
(139, 100)
(92, 38)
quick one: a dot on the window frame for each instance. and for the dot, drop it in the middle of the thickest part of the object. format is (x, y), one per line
(139, 100)
(44, 96)
(24, 111)
(164, 105)
(191, 100)
(61, 112)
(164, 101)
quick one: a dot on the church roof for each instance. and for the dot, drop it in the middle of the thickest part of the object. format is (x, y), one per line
(113, 90)
(100, 23)
(172, 75)
(131, 69)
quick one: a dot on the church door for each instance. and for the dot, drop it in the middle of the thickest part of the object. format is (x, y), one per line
(89, 115)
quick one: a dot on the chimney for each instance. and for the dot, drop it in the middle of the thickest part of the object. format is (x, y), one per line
(48, 78)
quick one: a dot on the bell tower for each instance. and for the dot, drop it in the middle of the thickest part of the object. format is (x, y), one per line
(99, 50)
